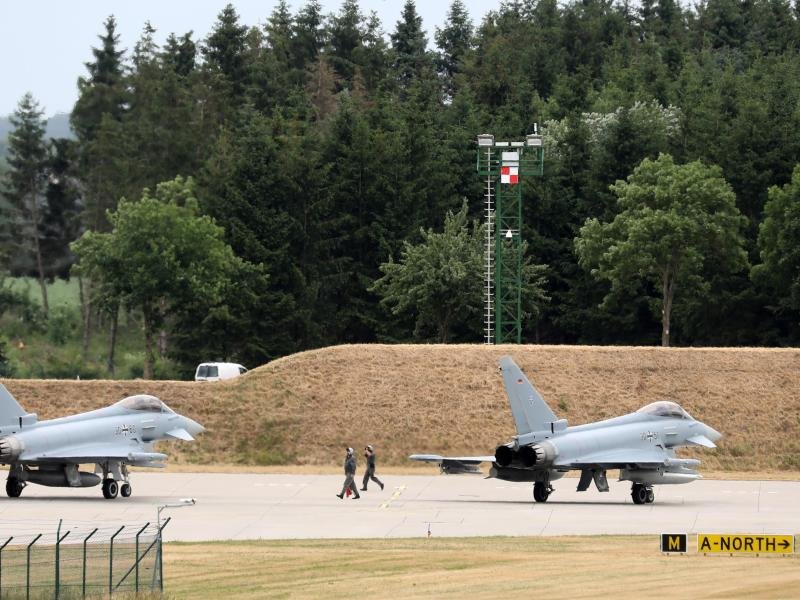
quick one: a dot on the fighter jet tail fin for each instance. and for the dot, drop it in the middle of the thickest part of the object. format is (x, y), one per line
(10, 410)
(530, 411)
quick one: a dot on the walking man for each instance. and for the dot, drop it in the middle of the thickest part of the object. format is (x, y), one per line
(349, 475)
(369, 454)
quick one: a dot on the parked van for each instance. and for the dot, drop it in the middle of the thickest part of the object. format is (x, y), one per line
(216, 371)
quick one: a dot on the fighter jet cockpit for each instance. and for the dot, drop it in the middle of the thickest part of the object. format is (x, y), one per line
(144, 403)
(665, 408)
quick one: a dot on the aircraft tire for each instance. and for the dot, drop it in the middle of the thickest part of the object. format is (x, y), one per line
(540, 492)
(125, 490)
(14, 487)
(639, 493)
(110, 489)
(651, 496)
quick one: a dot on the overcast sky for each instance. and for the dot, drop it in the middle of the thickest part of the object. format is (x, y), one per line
(45, 43)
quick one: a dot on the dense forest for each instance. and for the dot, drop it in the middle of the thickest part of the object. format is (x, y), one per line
(251, 193)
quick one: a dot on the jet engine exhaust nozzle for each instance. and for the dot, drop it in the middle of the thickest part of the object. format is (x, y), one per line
(10, 448)
(527, 456)
(504, 455)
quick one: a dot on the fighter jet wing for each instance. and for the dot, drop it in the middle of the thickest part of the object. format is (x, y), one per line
(94, 453)
(618, 458)
(454, 464)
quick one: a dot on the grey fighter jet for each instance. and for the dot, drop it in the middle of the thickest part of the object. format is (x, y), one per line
(640, 444)
(112, 438)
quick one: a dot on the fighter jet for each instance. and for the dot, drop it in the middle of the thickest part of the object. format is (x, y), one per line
(113, 438)
(640, 444)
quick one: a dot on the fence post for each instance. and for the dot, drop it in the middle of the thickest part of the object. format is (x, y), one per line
(1, 564)
(83, 584)
(146, 525)
(158, 556)
(28, 568)
(111, 562)
(58, 558)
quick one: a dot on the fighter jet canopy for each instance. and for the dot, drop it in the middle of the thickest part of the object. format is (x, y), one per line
(143, 403)
(664, 408)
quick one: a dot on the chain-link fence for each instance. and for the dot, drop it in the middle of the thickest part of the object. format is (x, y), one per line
(80, 561)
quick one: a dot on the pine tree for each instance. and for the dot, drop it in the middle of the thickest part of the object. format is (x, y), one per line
(344, 40)
(454, 41)
(224, 51)
(103, 91)
(60, 218)
(308, 36)
(409, 45)
(180, 54)
(101, 106)
(25, 183)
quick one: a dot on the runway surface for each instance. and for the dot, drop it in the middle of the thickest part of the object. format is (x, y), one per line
(242, 506)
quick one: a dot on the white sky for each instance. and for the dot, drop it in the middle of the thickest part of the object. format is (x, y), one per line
(45, 43)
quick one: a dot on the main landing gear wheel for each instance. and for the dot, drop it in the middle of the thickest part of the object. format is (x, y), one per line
(641, 494)
(110, 489)
(541, 491)
(125, 490)
(14, 487)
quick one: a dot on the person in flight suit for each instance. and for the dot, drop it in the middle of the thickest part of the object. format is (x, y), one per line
(349, 475)
(369, 454)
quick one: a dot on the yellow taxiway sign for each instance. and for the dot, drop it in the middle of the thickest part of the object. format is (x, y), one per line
(739, 543)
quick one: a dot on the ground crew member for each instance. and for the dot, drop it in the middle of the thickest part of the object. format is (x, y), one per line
(349, 475)
(369, 454)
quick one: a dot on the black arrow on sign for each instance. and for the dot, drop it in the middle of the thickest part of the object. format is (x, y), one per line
(785, 544)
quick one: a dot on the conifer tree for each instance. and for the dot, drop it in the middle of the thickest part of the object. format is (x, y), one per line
(25, 184)
(224, 51)
(409, 45)
(454, 41)
(308, 36)
(103, 91)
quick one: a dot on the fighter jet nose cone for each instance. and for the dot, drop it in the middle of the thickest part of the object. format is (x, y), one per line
(712, 434)
(193, 427)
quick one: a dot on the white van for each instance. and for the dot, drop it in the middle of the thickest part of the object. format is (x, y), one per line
(217, 371)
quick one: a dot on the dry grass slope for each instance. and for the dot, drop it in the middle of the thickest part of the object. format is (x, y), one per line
(566, 567)
(304, 408)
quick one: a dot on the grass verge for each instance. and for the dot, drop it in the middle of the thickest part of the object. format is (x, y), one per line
(563, 567)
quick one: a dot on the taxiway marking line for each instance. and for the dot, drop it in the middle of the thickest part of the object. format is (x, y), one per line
(397, 492)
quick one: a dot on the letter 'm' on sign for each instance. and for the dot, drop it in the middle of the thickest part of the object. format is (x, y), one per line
(757, 543)
(673, 542)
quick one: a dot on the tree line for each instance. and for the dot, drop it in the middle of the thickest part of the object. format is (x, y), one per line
(312, 181)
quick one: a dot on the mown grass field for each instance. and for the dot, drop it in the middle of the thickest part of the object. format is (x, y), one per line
(569, 567)
(305, 408)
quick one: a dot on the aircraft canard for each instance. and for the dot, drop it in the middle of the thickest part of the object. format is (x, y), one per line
(112, 438)
(640, 444)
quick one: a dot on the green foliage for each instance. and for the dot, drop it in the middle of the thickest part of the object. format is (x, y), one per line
(323, 146)
(440, 280)
(779, 245)
(24, 183)
(160, 254)
(674, 221)
(6, 368)
(63, 324)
